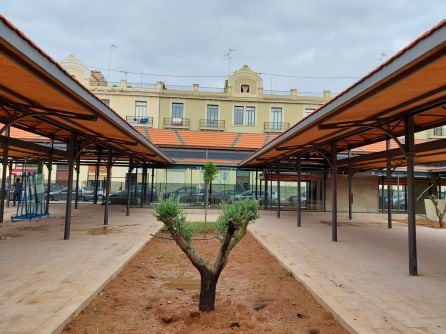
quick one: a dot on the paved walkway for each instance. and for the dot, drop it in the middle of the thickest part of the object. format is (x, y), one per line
(364, 277)
(45, 281)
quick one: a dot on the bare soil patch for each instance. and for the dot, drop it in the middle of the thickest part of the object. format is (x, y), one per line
(157, 292)
(422, 222)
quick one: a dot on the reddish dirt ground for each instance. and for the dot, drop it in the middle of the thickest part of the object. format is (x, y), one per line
(422, 222)
(157, 292)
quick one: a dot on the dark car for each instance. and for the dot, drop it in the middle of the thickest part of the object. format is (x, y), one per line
(120, 197)
(293, 200)
(224, 196)
(61, 194)
(187, 194)
(260, 196)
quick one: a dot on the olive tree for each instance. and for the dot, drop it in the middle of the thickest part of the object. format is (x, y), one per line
(209, 175)
(231, 228)
(440, 213)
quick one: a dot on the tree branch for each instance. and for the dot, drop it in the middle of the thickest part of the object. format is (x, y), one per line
(225, 248)
(186, 247)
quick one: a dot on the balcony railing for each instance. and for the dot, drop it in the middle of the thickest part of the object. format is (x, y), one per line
(140, 120)
(177, 123)
(276, 126)
(211, 124)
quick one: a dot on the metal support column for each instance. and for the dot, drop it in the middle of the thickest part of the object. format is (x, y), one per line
(129, 186)
(9, 184)
(48, 185)
(350, 195)
(151, 186)
(108, 186)
(334, 204)
(410, 157)
(389, 185)
(71, 154)
(143, 186)
(96, 179)
(3, 186)
(324, 188)
(299, 202)
(278, 190)
(78, 167)
(257, 181)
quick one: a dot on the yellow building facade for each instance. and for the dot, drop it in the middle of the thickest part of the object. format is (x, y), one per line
(241, 106)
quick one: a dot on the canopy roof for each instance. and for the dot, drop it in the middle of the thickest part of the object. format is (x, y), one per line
(37, 95)
(413, 82)
(427, 153)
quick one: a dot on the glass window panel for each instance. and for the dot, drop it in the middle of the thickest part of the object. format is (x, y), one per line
(250, 115)
(238, 115)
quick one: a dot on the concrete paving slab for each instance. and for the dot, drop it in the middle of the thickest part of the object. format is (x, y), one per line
(46, 281)
(363, 279)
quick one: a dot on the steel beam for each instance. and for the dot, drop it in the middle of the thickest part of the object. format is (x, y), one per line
(389, 184)
(410, 157)
(108, 186)
(78, 167)
(72, 154)
(9, 183)
(350, 194)
(298, 202)
(96, 179)
(129, 186)
(334, 204)
(4, 169)
(143, 186)
(152, 185)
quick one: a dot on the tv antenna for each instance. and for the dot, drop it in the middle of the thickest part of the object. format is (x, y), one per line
(229, 56)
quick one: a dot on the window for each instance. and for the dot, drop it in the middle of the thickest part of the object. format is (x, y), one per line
(177, 110)
(140, 109)
(439, 131)
(250, 116)
(244, 88)
(212, 116)
(308, 111)
(238, 115)
(276, 118)
(106, 101)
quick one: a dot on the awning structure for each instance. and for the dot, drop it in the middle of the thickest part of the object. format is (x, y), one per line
(411, 83)
(404, 95)
(38, 96)
(426, 153)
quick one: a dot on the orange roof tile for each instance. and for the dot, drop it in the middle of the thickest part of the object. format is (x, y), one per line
(162, 137)
(210, 139)
(381, 146)
(251, 140)
(206, 139)
(25, 135)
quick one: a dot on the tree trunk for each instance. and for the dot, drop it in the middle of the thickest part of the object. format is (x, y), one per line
(207, 291)
(441, 222)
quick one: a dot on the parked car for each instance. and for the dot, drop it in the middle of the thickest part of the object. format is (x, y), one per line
(293, 200)
(61, 194)
(223, 196)
(260, 196)
(120, 197)
(187, 194)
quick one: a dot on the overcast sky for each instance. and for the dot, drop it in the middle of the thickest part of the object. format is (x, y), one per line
(342, 38)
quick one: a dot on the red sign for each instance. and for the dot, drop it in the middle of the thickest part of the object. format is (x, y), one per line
(19, 171)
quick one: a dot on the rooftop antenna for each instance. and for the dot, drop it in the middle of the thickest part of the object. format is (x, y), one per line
(112, 46)
(229, 56)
